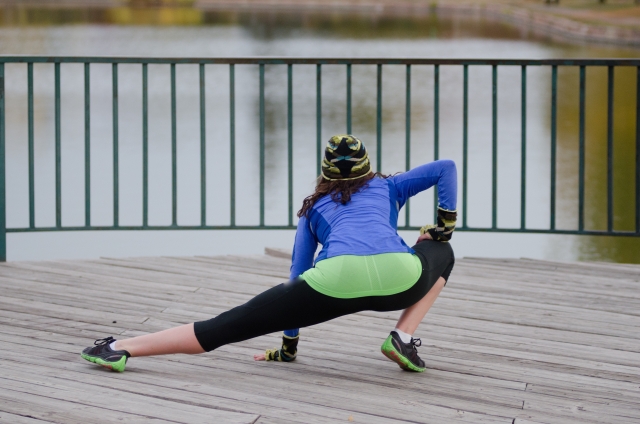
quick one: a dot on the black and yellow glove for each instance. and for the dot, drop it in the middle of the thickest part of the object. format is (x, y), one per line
(444, 229)
(286, 353)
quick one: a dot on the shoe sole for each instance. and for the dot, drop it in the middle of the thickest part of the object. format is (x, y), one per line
(389, 350)
(113, 366)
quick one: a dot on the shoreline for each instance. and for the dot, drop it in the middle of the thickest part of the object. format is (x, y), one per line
(540, 22)
(559, 24)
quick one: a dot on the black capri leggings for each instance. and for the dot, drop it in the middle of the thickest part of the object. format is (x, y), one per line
(295, 304)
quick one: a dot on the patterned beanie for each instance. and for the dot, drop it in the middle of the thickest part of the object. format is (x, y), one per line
(345, 158)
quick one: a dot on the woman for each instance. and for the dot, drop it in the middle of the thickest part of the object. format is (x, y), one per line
(363, 264)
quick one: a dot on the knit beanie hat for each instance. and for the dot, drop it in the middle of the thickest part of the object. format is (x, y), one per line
(345, 158)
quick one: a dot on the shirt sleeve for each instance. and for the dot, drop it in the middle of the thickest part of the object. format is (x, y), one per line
(304, 248)
(441, 173)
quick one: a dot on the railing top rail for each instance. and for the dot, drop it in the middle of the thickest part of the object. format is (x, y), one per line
(316, 61)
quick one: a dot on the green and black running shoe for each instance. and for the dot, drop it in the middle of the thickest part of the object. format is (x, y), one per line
(403, 354)
(102, 354)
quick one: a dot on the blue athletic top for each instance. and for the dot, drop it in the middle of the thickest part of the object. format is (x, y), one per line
(346, 229)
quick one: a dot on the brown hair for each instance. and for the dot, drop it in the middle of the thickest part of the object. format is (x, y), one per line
(340, 191)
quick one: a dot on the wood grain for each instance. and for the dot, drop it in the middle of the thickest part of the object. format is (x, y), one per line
(508, 341)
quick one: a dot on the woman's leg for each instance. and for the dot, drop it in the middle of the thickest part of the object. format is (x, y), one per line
(413, 315)
(437, 262)
(291, 305)
(174, 340)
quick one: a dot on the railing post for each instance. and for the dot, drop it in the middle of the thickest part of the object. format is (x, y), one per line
(87, 144)
(318, 117)
(554, 121)
(174, 150)
(637, 150)
(610, 216)
(407, 132)
(436, 133)
(203, 150)
(465, 141)
(523, 150)
(494, 148)
(3, 204)
(379, 121)
(145, 145)
(581, 148)
(58, 147)
(262, 141)
(290, 141)
(232, 145)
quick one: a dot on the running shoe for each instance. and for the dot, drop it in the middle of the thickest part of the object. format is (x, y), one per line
(403, 354)
(102, 354)
(288, 351)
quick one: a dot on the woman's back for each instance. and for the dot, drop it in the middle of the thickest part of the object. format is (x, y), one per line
(366, 225)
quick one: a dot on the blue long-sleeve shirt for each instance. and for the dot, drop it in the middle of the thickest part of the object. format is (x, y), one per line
(347, 229)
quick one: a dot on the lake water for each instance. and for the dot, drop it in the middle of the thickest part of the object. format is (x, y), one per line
(190, 33)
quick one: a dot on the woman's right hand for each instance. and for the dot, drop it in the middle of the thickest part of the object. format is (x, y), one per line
(423, 237)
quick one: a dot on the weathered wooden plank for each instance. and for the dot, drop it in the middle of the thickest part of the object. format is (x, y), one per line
(308, 397)
(117, 399)
(44, 408)
(154, 367)
(7, 417)
(508, 341)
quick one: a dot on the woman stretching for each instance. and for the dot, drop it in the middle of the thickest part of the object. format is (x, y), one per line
(363, 265)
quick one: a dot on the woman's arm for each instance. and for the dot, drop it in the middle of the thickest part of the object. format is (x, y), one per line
(443, 174)
(304, 248)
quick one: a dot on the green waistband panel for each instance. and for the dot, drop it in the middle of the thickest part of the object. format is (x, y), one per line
(350, 276)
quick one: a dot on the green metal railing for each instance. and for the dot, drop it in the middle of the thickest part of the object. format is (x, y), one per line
(319, 63)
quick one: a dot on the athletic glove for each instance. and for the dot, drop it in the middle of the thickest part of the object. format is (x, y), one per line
(446, 224)
(286, 353)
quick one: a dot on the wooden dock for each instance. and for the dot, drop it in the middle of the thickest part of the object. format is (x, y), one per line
(509, 341)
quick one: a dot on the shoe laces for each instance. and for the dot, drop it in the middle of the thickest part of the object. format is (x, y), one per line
(105, 341)
(416, 343)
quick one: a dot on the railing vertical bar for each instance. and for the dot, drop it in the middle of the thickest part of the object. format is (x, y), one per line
(318, 117)
(436, 132)
(174, 150)
(32, 211)
(407, 131)
(3, 203)
(57, 148)
(638, 150)
(554, 121)
(203, 150)
(465, 140)
(232, 144)
(261, 144)
(87, 144)
(290, 139)
(581, 149)
(494, 148)
(116, 172)
(145, 145)
(523, 152)
(348, 98)
(610, 76)
(379, 120)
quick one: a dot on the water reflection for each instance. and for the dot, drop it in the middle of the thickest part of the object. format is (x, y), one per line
(32, 31)
(624, 137)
